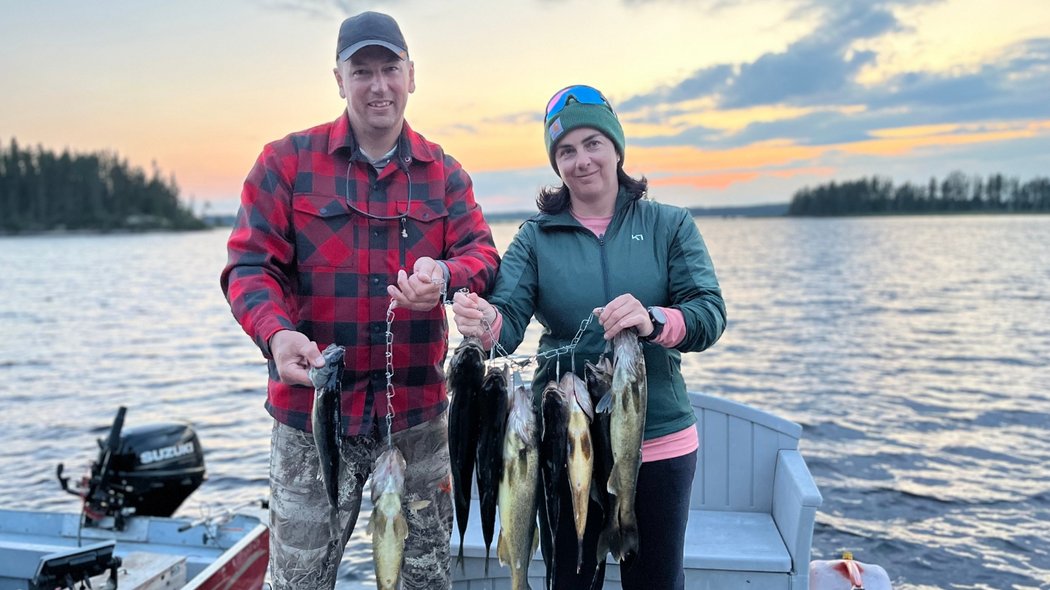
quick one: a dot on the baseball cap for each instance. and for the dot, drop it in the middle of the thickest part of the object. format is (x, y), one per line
(370, 28)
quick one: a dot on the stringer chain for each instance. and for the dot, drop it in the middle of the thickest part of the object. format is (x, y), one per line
(390, 360)
(557, 352)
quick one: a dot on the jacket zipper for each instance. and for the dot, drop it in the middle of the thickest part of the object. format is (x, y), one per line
(605, 266)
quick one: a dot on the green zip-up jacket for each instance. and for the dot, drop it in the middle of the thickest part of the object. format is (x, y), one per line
(559, 271)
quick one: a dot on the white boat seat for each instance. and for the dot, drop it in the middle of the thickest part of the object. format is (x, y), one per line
(735, 541)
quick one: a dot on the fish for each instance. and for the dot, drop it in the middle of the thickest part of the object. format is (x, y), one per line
(466, 372)
(517, 489)
(580, 461)
(326, 420)
(626, 427)
(554, 444)
(599, 387)
(388, 525)
(492, 416)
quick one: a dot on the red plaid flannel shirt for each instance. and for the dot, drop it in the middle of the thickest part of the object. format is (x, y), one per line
(300, 259)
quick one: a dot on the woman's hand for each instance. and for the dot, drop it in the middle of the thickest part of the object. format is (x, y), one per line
(473, 315)
(624, 312)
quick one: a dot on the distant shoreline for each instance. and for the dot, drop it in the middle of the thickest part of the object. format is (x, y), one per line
(764, 210)
(96, 232)
(749, 211)
(781, 210)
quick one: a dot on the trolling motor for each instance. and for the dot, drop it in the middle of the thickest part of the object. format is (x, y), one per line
(147, 471)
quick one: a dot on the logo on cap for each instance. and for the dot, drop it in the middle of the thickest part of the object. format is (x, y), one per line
(556, 129)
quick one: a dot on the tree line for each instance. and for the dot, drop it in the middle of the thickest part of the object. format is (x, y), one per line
(41, 190)
(957, 193)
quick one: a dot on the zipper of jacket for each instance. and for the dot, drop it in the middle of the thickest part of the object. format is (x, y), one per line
(605, 266)
(605, 256)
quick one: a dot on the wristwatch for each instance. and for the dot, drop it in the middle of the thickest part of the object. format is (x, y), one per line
(659, 320)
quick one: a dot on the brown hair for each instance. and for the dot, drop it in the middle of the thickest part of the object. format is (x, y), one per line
(554, 200)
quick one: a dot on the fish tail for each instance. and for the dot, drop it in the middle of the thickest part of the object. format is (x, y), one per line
(599, 575)
(459, 557)
(602, 548)
(554, 559)
(502, 551)
(628, 542)
(614, 545)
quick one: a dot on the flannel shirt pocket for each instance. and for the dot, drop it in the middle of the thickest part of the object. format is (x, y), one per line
(321, 236)
(426, 229)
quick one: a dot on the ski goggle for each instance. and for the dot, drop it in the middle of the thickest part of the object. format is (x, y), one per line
(579, 93)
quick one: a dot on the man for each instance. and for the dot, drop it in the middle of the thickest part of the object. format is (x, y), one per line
(337, 224)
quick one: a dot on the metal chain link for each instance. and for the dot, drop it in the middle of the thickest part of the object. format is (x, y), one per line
(390, 361)
(557, 352)
(390, 372)
(444, 291)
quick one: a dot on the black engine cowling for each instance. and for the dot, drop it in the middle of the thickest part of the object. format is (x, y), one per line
(147, 470)
(157, 467)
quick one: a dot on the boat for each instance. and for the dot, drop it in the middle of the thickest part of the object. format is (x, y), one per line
(124, 536)
(47, 550)
(752, 509)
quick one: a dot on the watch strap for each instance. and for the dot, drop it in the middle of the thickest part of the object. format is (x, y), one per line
(658, 327)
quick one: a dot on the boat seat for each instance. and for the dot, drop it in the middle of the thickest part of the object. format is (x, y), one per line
(740, 541)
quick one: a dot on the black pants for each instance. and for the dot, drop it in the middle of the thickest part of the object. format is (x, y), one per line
(662, 509)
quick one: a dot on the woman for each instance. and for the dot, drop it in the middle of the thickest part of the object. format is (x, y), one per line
(600, 246)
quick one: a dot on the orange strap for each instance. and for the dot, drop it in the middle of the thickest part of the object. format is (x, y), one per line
(854, 575)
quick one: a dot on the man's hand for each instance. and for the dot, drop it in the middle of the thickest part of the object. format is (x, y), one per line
(422, 290)
(294, 354)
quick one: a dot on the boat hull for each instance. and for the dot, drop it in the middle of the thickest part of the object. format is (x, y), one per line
(157, 552)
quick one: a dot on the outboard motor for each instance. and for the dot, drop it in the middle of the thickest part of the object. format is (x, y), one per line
(147, 470)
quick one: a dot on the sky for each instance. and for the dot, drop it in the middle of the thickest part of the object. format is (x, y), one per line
(723, 102)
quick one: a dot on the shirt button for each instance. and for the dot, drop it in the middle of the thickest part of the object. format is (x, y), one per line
(375, 233)
(375, 280)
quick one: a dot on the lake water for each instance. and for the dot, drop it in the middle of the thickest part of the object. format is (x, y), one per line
(914, 351)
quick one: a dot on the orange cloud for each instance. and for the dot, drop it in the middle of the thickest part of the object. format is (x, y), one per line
(692, 162)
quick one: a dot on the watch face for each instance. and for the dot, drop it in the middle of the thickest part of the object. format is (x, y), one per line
(657, 315)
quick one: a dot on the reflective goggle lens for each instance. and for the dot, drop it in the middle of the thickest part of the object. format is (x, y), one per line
(579, 93)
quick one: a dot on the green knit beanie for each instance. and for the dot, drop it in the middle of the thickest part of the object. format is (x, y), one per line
(577, 114)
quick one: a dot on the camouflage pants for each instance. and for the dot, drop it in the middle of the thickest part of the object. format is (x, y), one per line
(303, 554)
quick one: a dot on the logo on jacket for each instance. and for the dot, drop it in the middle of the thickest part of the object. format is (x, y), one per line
(639, 237)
